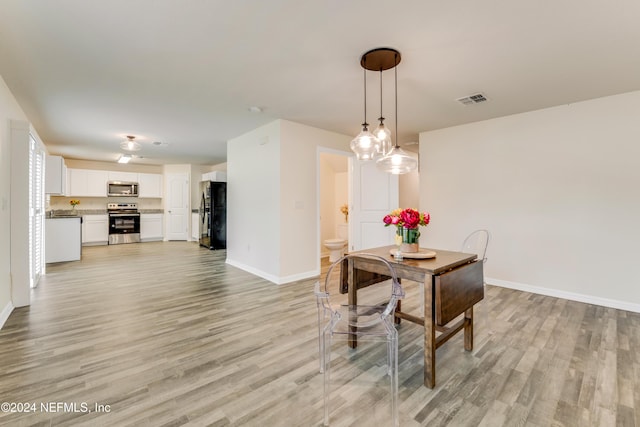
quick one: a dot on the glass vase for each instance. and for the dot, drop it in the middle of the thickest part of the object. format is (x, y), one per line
(410, 236)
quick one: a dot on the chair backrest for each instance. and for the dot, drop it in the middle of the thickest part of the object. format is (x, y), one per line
(323, 291)
(476, 243)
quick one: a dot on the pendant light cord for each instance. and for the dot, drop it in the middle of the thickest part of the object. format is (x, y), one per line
(395, 72)
(365, 96)
(381, 118)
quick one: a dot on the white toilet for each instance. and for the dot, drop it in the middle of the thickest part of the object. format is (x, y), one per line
(336, 246)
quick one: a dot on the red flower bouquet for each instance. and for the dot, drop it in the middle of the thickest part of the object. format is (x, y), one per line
(407, 218)
(407, 222)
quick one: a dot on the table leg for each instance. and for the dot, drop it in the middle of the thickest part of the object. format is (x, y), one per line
(429, 335)
(468, 329)
(352, 299)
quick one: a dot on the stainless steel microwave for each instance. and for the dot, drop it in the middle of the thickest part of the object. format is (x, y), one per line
(122, 189)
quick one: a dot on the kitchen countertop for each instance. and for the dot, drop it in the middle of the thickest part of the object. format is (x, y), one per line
(64, 217)
(66, 213)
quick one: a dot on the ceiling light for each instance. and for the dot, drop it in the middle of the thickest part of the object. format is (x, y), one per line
(397, 162)
(125, 158)
(130, 144)
(365, 145)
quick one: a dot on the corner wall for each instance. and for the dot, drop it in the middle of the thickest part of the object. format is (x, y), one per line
(558, 190)
(253, 201)
(9, 110)
(300, 245)
(272, 190)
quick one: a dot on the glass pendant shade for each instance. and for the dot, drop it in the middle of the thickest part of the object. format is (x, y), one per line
(384, 136)
(397, 162)
(130, 144)
(366, 146)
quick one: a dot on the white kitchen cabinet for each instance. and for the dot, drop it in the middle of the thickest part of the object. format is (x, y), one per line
(87, 183)
(95, 230)
(151, 227)
(55, 176)
(62, 239)
(122, 176)
(215, 176)
(150, 185)
(195, 227)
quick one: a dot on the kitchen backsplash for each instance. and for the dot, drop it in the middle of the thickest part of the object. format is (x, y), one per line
(100, 203)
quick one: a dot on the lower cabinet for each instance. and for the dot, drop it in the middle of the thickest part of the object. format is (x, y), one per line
(62, 239)
(151, 227)
(95, 230)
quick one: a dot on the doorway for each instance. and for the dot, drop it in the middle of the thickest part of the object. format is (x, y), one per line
(333, 197)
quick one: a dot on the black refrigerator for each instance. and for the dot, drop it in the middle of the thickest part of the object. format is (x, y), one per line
(213, 214)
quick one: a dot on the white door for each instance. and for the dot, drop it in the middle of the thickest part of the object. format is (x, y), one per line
(373, 195)
(177, 206)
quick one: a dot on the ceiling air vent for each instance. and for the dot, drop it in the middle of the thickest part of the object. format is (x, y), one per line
(476, 98)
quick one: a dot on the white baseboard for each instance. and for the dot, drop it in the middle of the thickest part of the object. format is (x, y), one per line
(270, 277)
(588, 299)
(4, 315)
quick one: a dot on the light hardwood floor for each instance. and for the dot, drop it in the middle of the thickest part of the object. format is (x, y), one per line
(167, 334)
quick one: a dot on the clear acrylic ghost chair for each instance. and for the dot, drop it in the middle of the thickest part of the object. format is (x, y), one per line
(476, 243)
(362, 322)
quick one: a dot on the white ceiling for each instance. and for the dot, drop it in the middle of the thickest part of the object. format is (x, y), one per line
(186, 72)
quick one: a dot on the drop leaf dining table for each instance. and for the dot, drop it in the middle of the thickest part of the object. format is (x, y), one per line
(453, 283)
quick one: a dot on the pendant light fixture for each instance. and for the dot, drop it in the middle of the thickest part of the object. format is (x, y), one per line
(389, 158)
(365, 145)
(397, 161)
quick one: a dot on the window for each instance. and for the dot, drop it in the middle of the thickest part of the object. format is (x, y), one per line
(36, 212)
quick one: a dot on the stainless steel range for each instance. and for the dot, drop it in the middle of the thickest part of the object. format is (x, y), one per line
(124, 223)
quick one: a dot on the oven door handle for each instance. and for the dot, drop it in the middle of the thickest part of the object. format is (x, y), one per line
(124, 214)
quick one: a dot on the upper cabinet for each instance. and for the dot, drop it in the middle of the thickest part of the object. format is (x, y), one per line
(55, 176)
(88, 183)
(123, 176)
(93, 183)
(215, 176)
(150, 185)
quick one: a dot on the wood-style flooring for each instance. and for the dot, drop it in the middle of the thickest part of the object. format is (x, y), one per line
(167, 334)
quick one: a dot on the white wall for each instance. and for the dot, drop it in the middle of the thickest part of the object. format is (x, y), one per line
(409, 187)
(20, 196)
(9, 110)
(341, 197)
(253, 201)
(557, 188)
(272, 218)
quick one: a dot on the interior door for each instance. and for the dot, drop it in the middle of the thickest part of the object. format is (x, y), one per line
(177, 206)
(373, 195)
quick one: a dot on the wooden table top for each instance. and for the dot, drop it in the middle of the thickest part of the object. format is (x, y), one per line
(443, 261)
